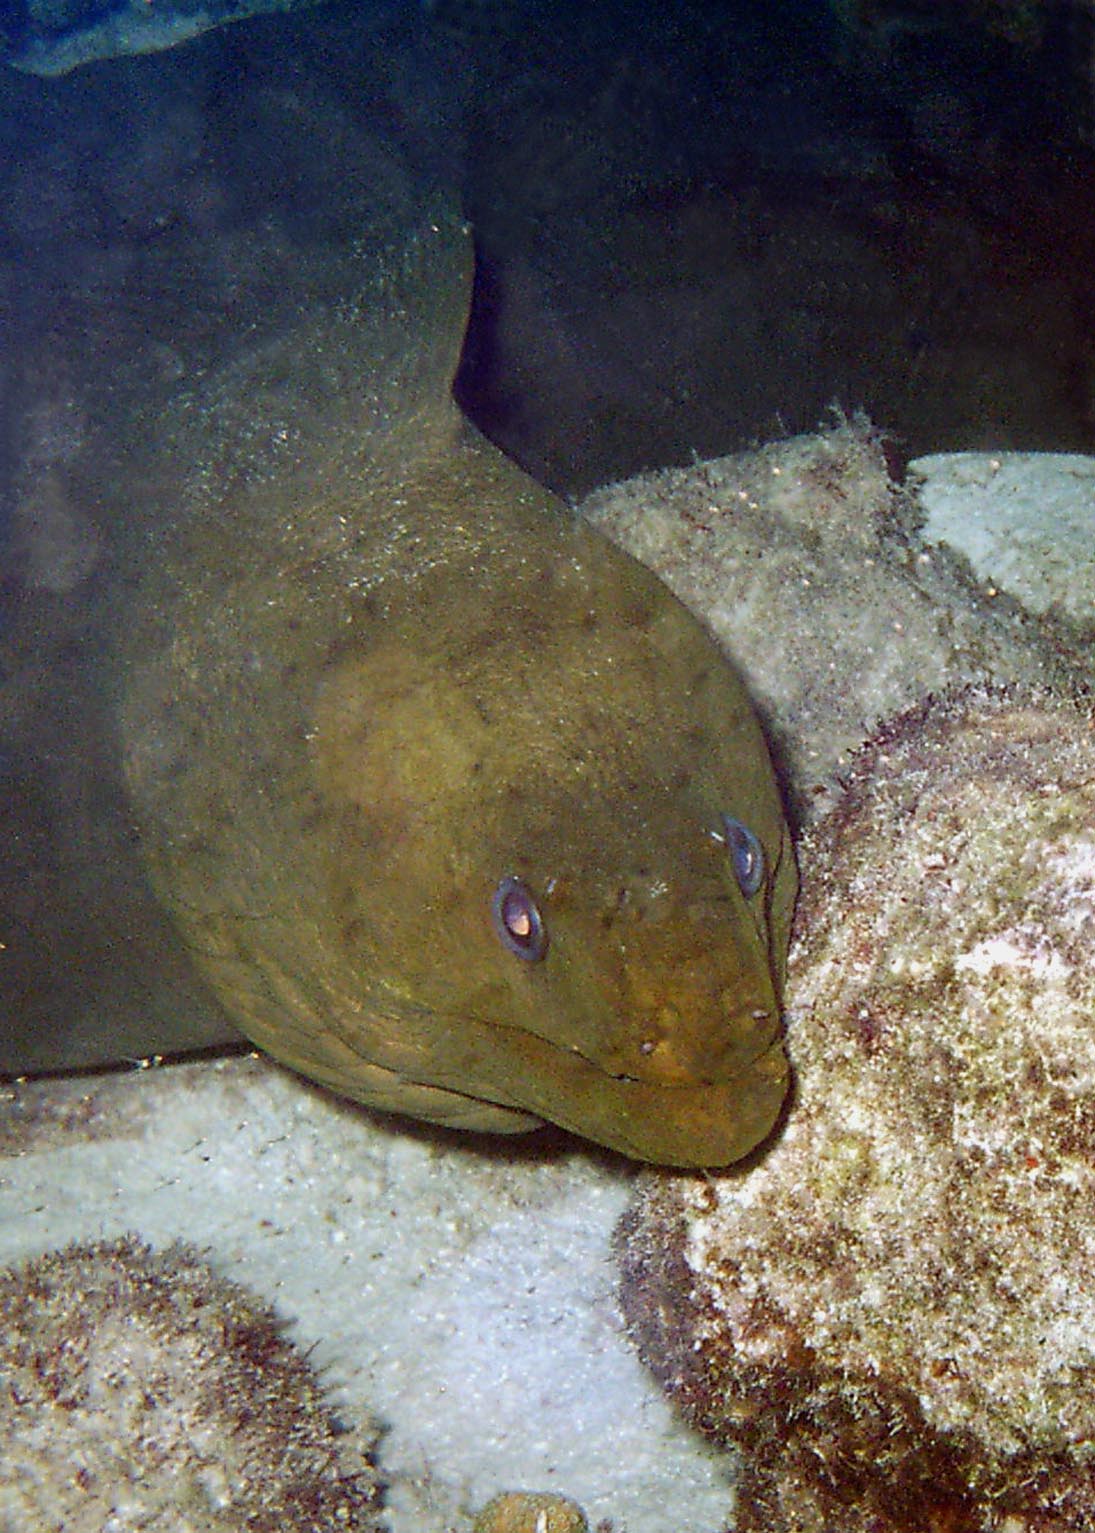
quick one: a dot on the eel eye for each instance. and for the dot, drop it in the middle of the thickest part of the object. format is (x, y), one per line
(746, 855)
(518, 921)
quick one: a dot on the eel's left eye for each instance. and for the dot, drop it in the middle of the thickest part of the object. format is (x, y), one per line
(746, 855)
(518, 921)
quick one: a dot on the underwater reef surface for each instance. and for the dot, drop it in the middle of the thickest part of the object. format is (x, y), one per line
(810, 561)
(996, 506)
(891, 1312)
(888, 1307)
(142, 1390)
(456, 1289)
(56, 36)
(462, 1292)
(531, 1512)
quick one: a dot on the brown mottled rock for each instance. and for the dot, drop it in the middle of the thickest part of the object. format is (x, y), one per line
(521, 1511)
(892, 1311)
(805, 558)
(141, 1390)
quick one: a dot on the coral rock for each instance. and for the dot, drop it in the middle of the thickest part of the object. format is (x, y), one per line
(520, 1511)
(806, 560)
(893, 1310)
(141, 1391)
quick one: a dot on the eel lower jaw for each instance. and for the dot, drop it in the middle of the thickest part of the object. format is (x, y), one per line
(688, 1125)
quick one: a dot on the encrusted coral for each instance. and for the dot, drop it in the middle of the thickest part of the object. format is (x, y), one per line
(805, 560)
(142, 1391)
(892, 1311)
(522, 1511)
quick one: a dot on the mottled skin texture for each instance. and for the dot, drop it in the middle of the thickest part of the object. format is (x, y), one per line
(381, 672)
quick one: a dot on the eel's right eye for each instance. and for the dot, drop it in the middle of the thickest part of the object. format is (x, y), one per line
(517, 920)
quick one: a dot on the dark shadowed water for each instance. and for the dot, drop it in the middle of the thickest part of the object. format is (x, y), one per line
(693, 232)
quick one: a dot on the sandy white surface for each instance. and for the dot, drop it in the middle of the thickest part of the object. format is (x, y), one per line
(464, 1294)
(1024, 520)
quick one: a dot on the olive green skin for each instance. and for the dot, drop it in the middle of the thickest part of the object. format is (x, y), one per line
(391, 672)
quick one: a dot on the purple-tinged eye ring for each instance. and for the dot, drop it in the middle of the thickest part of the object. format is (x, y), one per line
(517, 920)
(746, 855)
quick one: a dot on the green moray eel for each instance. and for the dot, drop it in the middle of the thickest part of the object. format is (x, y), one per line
(458, 810)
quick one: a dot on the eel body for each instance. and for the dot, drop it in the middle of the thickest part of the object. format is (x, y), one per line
(456, 808)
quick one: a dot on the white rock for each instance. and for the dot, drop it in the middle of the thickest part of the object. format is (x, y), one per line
(1024, 520)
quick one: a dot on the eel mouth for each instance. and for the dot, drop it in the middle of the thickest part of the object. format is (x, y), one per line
(689, 1124)
(502, 1078)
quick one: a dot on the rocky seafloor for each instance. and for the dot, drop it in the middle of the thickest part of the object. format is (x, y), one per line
(891, 1313)
(888, 1310)
(908, 1259)
(927, 1267)
(142, 1390)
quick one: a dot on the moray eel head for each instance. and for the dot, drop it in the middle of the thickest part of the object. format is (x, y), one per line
(456, 807)
(552, 826)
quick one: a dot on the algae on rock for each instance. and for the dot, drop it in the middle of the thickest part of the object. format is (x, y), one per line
(142, 1391)
(892, 1311)
(805, 559)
